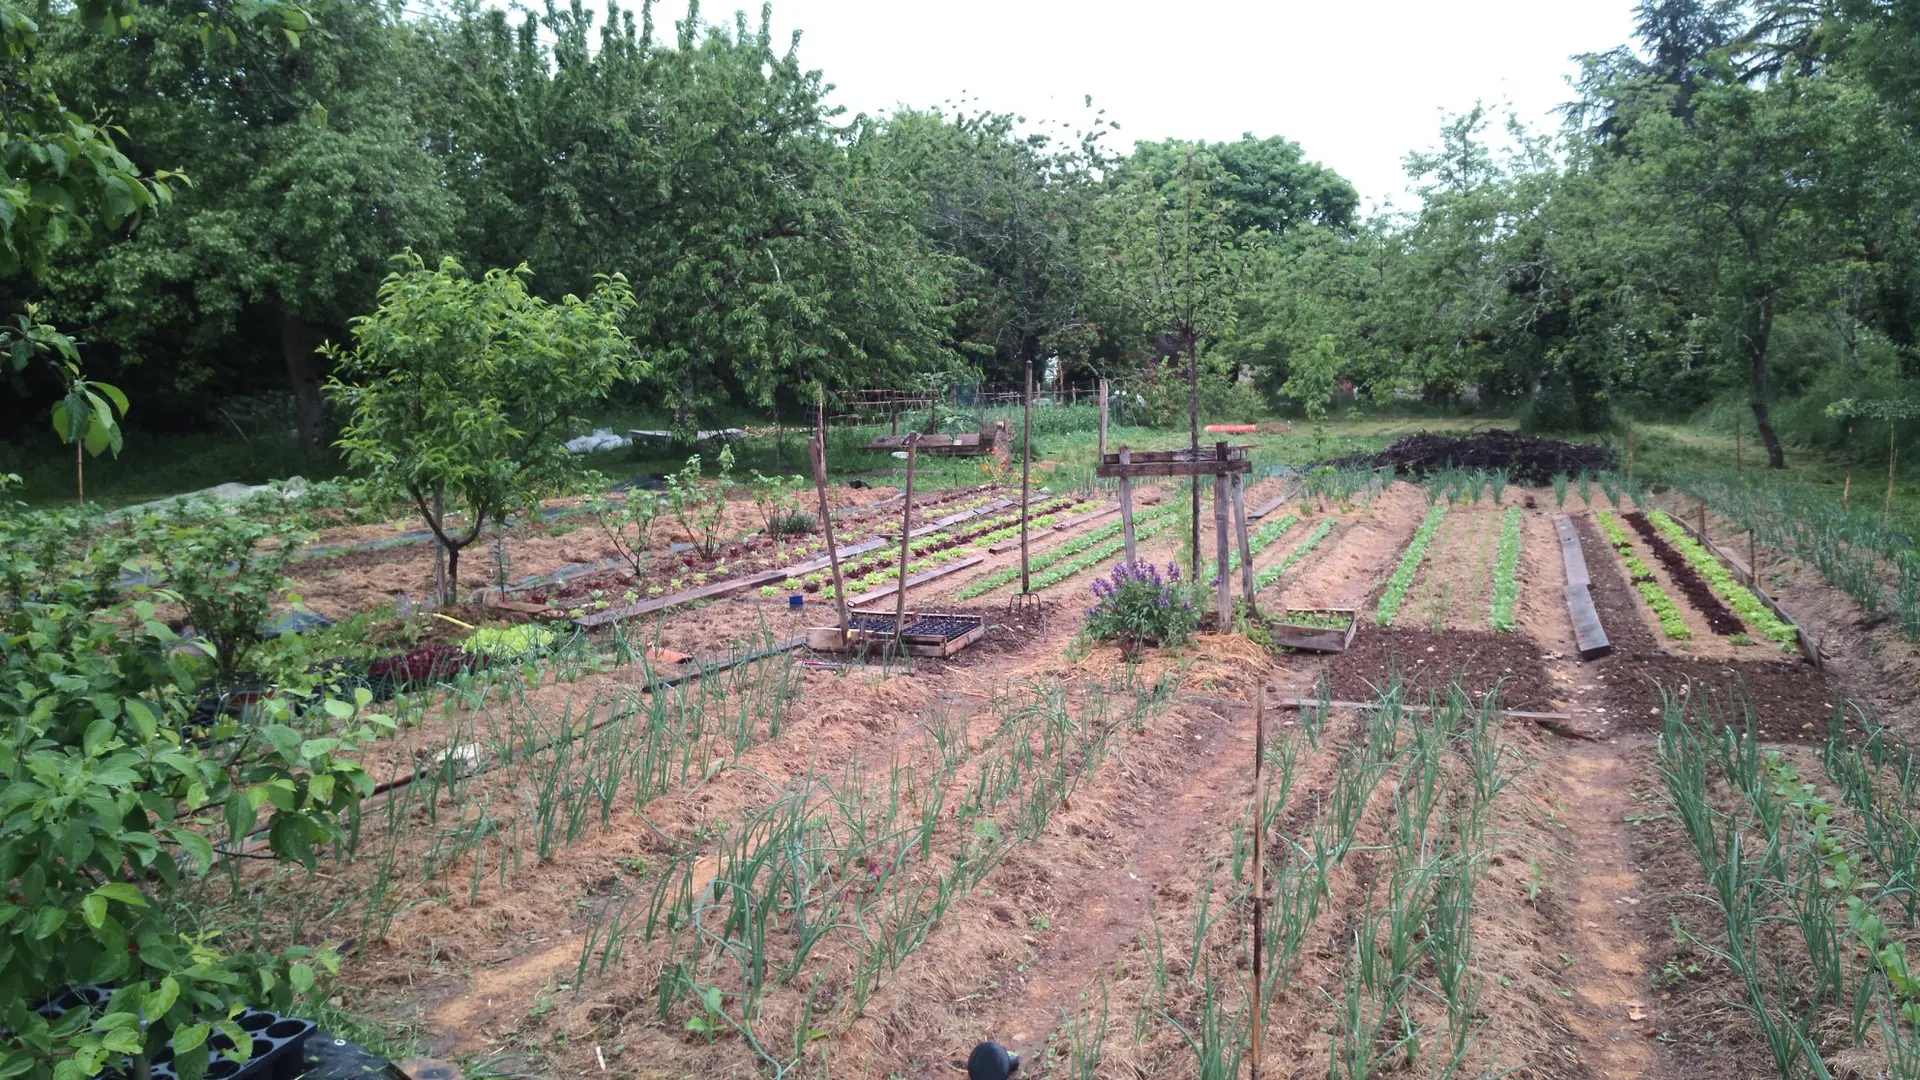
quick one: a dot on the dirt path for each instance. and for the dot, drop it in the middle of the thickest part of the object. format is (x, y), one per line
(1611, 1008)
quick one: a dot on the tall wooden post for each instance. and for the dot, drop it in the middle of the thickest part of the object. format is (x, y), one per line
(817, 450)
(1893, 457)
(1103, 418)
(906, 540)
(1193, 422)
(1259, 1026)
(1239, 482)
(1223, 592)
(1126, 502)
(1026, 464)
(1846, 491)
(1703, 521)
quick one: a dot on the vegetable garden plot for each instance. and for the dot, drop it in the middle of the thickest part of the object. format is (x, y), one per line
(761, 867)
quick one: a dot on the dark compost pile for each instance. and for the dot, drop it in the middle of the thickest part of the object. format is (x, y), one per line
(1530, 460)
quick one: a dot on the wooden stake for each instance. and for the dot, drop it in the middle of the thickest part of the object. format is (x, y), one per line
(817, 451)
(1239, 485)
(1846, 491)
(906, 539)
(1703, 522)
(1026, 464)
(1103, 418)
(1893, 456)
(1223, 592)
(1259, 1026)
(1126, 502)
(1753, 559)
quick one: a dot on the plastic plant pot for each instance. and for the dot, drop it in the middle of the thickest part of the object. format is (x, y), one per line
(796, 601)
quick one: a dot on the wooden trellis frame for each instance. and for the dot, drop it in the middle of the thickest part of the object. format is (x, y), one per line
(1229, 466)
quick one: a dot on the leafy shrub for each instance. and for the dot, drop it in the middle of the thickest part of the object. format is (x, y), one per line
(227, 569)
(1136, 605)
(701, 510)
(108, 819)
(627, 524)
(795, 523)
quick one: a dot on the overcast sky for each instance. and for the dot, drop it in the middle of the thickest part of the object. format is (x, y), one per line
(1357, 84)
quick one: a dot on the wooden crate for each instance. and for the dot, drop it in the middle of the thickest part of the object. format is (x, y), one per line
(1314, 638)
(828, 639)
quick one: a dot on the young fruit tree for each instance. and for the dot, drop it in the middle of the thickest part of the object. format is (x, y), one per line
(458, 389)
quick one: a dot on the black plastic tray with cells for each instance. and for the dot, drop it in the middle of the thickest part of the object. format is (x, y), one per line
(278, 1041)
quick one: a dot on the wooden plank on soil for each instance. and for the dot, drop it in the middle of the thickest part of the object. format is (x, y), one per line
(1355, 706)
(1588, 635)
(917, 579)
(662, 603)
(1571, 552)
(814, 566)
(1271, 505)
(1809, 648)
(1058, 526)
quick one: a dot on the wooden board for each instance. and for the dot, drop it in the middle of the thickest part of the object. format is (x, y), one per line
(982, 510)
(917, 579)
(814, 566)
(1184, 455)
(1571, 553)
(662, 603)
(1356, 706)
(1589, 637)
(1208, 467)
(1809, 648)
(1271, 505)
(1058, 526)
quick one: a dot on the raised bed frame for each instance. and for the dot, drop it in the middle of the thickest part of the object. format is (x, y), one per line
(1314, 638)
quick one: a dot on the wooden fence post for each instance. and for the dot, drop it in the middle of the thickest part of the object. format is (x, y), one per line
(817, 450)
(1223, 592)
(1103, 418)
(906, 539)
(1246, 545)
(1126, 502)
(1026, 463)
(1259, 1027)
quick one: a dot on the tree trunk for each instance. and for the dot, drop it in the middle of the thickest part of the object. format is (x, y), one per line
(296, 345)
(1757, 338)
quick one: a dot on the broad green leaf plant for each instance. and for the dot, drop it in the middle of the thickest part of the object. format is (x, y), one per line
(110, 815)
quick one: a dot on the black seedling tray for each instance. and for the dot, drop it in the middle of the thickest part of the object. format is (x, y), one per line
(279, 1042)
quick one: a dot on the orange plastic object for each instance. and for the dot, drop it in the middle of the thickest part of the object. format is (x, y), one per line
(1230, 429)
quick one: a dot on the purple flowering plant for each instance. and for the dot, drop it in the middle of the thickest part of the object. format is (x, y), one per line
(1136, 604)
